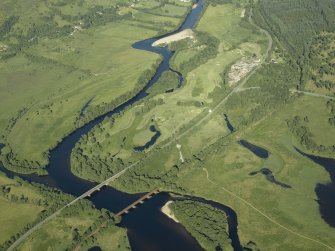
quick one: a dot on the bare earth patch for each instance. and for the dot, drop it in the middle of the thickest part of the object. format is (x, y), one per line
(243, 13)
(187, 33)
(241, 68)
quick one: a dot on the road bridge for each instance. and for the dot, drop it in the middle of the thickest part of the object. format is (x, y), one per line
(84, 195)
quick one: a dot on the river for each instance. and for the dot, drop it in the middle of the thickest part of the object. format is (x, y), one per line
(148, 228)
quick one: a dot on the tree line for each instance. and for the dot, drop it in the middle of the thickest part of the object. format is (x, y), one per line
(301, 131)
(209, 48)
(206, 223)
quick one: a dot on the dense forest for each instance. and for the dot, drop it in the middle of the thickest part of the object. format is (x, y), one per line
(206, 223)
(321, 61)
(296, 22)
(209, 48)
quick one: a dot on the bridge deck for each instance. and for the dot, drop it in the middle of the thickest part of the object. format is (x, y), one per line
(140, 200)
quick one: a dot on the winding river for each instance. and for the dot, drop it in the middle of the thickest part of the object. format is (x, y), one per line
(160, 232)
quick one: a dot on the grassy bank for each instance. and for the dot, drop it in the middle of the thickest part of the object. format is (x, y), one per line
(47, 82)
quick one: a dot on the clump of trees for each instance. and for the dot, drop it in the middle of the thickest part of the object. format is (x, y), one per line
(96, 167)
(9, 158)
(209, 48)
(106, 222)
(216, 2)
(7, 25)
(294, 23)
(331, 109)
(299, 129)
(46, 26)
(167, 82)
(320, 59)
(206, 223)
(89, 158)
(52, 200)
(274, 82)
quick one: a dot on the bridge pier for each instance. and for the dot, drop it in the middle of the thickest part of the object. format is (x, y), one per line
(137, 202)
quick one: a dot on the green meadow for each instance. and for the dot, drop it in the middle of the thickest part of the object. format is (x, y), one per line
(44, 88)
(14, 214)
(23, 205)
(69, 230)
(215, 166)
(173, 112)
(45, 84)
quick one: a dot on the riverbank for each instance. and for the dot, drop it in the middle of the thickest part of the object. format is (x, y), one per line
(168, 212)
(64, 179)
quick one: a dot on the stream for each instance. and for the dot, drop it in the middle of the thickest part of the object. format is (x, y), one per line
(147, 227)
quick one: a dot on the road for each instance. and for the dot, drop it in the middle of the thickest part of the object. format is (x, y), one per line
(236, 89)
(313, 94)
(84, 195)
(248, 88)
(106, 182)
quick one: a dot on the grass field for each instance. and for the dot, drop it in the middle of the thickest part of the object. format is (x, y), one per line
(114, 239)
(273, 217)
(295, 209)
(61, 232)
(15, 215)
(56, 77)
(58, 234)
(175, 110)
(44, 88)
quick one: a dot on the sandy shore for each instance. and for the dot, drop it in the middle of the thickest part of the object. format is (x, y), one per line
(187, 33)
(167, 211)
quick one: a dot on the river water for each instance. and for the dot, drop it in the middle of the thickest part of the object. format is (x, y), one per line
(148, 228)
